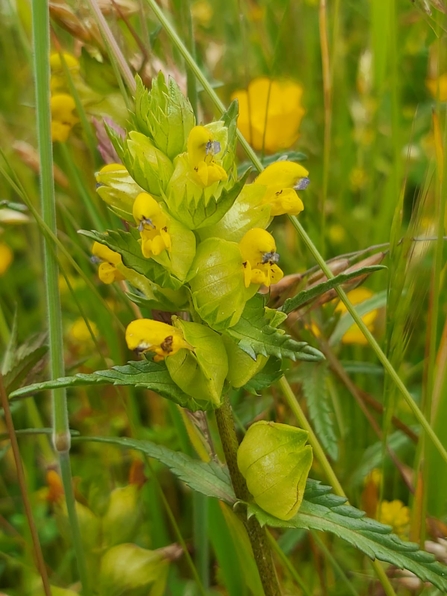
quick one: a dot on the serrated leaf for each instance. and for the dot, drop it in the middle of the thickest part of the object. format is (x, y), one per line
(266, 377)
(24, 362)
(208, 213)
(144, 373)
(210, 478)
(282, 155)
(126, 244)
(307, 295)
(255, 335)
(322, 510)
(313, 379)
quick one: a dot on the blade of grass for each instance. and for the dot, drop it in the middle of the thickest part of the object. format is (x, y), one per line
(61, 432)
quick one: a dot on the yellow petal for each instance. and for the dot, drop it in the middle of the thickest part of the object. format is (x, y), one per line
(148, 335)
(104, 253)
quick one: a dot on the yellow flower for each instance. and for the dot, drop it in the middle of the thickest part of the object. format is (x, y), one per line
(202, 149)
(353, 335)
(6, 256)
(270, 113)
(281, 178)
(146, 335)
(80, 333)
(58, 78)
(107, 271)
(62, 117)
(394, 514)
(152, 224)
(433, 84)
(259, 254)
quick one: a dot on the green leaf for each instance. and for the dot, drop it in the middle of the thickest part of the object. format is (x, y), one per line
(255, 335)
(377, 301)
(322, 510)
(144, 373)
(210, 479)
(23, 363)
(313, 379)
(126, 244)
(308, 295)
(266, 377)
(269, 159)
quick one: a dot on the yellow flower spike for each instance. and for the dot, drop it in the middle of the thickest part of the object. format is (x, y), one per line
(62, 117)
(146, 335)
(58, 81)
(394, 514)
(56, 62)
(152, 224)
(107, 270)
(282, 179)
(270, 113)
(6, 257)
(438, 85)
(202, 148)
(260, 258)
(353, 335)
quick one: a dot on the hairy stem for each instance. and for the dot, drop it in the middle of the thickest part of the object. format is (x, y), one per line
(256, 534)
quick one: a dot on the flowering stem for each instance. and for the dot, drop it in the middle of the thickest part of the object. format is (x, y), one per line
(40, 562)
(256, 534)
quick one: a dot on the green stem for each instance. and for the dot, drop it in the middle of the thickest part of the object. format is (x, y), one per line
(256, 534)
(9, 423)
(294, 405)
(61, 432)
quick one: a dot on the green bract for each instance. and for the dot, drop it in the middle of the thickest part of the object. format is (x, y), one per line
(218, 288)
(164, 114)
(117, 188)
(150, 167)
(201, 372)
(275, 462)
(241, 366)
(180, 257)
(246, 212)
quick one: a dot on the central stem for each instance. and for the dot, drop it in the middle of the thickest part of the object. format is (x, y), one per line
(256, 534)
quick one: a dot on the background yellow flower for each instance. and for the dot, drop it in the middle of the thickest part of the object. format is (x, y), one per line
(270, 113)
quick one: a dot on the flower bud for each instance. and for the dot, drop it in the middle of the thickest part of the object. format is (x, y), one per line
(275, 462)
(129, 570)
(122, 516)
(149, 166)
(118, 189)
(164, 114)
(218, 286)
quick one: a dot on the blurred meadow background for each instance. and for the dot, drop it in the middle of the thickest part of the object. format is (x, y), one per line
(356, 92)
